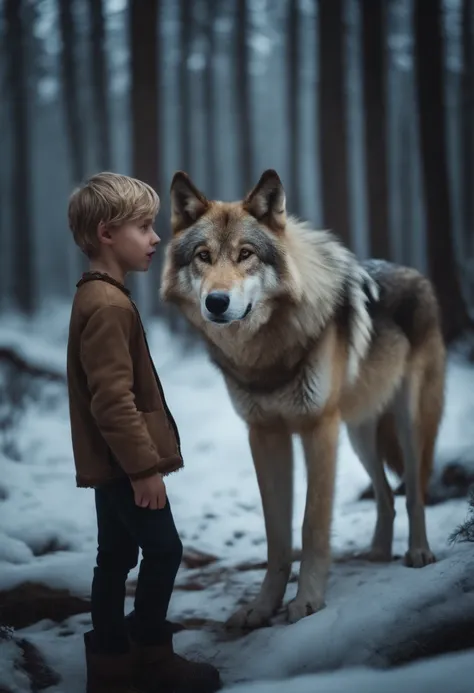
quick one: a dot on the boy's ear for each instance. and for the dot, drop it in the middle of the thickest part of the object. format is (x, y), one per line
(267, 201)
(187, 202)
(103, 233)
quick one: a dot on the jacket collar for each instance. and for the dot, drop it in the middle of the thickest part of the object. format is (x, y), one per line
(90, 276)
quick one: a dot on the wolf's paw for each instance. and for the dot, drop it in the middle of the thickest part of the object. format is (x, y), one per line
(251, 616)
(418, 558)
(301, 607)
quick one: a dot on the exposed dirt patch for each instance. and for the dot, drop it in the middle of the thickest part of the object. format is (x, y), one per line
(192, 558)
(53, 545)
(31, 602)
(33, 664)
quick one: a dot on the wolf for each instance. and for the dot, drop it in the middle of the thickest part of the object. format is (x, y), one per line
(308, 338)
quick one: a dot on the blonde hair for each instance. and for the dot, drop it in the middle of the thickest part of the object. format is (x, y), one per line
(110, 198)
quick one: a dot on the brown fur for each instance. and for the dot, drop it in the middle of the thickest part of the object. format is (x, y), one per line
(312, 337)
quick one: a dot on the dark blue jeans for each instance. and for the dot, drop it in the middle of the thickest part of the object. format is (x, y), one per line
(123, 529)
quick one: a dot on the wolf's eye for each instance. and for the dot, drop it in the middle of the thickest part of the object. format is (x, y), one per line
(204, 255)
(244, 254)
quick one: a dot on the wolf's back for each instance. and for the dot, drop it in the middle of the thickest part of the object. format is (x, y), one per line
(407, 300)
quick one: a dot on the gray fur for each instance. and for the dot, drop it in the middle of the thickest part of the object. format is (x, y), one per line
(327, 339)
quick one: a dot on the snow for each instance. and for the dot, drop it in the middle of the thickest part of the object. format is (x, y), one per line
(451, 672)
(48, 535)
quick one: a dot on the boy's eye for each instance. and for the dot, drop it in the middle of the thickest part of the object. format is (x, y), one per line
(244, 254)
(204, 255)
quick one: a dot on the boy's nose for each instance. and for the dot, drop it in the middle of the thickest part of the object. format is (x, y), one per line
(156, 239)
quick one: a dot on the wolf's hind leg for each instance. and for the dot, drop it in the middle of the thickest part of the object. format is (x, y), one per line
(272, 454)
(406, 414)
(364, 441)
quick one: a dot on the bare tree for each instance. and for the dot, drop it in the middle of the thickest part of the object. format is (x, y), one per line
(186, 21)
(243, 98)
(70, 90)
(429, 66)
(20, 179)
(467, 127)
(293, 93)
(404, 180)
(374, 36)
(145, 75)
(210, 99)
(332, 119)
(144, 91)
(99, 82)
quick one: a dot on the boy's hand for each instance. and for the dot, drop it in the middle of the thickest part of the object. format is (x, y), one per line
(150, 492)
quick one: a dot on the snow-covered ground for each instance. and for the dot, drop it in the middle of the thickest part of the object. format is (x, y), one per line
(47, 535)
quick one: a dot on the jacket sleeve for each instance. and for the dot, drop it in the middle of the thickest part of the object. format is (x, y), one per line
(107, 363)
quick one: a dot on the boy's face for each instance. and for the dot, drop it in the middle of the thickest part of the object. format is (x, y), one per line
(132, 245)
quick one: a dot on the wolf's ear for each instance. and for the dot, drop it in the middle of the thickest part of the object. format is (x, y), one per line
(267, 201)
(187, 202)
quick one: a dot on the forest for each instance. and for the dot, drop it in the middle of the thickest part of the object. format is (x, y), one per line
(365, 108)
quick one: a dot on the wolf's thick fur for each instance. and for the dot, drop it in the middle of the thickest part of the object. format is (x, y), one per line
(306, 336)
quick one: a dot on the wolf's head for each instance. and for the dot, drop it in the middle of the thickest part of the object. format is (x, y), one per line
(227, 259)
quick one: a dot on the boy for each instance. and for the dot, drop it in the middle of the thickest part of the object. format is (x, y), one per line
(124, 441)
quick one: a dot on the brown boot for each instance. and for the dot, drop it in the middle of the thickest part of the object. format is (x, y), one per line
(108, 673)
(158, 669)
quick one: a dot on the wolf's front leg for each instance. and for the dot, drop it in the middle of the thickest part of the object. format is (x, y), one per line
(273, 459)
(320, 448)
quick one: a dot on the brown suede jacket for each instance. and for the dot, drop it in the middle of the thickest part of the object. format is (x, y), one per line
(120, 422)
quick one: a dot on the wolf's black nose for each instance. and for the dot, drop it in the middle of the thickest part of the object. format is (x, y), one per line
(217, 302)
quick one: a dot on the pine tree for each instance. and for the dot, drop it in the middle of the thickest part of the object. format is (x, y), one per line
(465, 531)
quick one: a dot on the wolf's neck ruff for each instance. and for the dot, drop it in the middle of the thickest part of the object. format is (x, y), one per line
(269, 374)
(260, 380)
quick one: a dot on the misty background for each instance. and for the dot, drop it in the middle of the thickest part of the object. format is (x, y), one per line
(364, 107)
(366, 110)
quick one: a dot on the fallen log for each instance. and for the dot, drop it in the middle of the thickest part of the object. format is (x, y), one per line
(453, 480)
(10, 356)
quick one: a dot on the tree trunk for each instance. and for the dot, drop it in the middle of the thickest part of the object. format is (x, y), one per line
(70, 91)
(429, 67)
(186, 19)
(144, 99)
(294, 198)
(210, 99)
(405, 187)
(374, 37)
(243, 99)
(467, 131)
(332, 119)
(20, 178)
(144, 91)
(99, 83)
